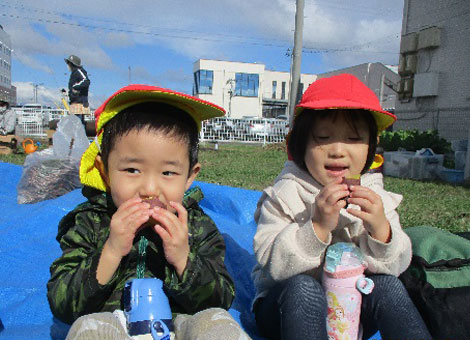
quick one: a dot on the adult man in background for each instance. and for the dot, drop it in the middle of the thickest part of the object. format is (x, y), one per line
(78, 88)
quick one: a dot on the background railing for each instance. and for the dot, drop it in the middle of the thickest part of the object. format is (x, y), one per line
(249, 130)
(34, 122)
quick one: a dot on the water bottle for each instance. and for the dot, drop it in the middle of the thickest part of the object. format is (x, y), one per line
(343, 282)
(147, 309)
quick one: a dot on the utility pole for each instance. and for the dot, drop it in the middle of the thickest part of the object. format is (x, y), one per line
(129, 74)
(296, 61)
(35, 91)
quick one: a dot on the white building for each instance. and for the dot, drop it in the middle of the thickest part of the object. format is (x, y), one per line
(248, 89)
(244, 89)
(434, 91)
(7, 91)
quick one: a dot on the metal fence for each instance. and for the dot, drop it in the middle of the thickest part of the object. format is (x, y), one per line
(34, 122)
(247, 130)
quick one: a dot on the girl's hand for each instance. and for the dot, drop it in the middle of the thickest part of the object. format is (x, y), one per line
(173, 230)
(371, 213)
(124, 224)
(328, 204)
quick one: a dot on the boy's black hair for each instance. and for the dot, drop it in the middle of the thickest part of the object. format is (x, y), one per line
(302, 131)
(154, 116)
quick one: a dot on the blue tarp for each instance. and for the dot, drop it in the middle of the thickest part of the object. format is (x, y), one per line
(28, 247)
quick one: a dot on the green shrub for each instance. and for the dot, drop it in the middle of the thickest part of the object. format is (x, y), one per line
(412, 140)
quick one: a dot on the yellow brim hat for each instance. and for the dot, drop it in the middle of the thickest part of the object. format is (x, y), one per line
(131, 95)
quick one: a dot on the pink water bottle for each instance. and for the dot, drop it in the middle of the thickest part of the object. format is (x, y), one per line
(343, 282)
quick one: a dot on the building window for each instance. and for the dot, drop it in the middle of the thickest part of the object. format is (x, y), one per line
(246, 84)
(274, 89)
(203, 80)
(283, 90)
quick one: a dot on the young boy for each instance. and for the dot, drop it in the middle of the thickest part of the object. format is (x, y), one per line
(146, 151)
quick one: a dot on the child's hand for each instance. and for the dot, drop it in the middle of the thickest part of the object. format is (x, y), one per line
(124, 224)
(371, 213)
(173, 230)
(328, 204)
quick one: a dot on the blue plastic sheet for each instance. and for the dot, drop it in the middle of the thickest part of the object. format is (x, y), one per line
(28, 247)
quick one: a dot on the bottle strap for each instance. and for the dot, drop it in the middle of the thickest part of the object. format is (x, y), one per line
(143, 242)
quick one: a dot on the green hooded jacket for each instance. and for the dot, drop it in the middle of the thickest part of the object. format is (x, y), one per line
(73, 289)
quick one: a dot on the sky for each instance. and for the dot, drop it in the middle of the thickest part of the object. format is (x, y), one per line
(157, 42)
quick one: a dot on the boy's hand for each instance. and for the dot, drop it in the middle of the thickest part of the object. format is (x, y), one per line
(371, 213)
(124, 224)
(173, 230)
(328, 204)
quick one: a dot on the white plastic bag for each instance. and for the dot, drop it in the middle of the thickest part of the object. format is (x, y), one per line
(53, 172)
(7, 121)
(70, 139)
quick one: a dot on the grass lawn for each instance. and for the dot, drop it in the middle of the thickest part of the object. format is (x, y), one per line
(254, 167)
(434, 203)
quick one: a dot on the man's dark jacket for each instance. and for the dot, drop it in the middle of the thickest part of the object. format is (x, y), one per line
(78, 86)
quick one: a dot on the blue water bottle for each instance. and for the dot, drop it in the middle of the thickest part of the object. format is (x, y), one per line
(147, 308)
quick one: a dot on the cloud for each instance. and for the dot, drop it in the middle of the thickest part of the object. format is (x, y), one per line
(39, 34)
(25, 93)
(49, 96)
(108, 37)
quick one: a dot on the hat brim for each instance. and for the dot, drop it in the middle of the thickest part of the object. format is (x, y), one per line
(197, 108)
(383, 118)
(71, 62)
(131, 95)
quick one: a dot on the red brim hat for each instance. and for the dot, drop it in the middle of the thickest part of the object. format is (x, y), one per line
(131, 95)
(344, 91)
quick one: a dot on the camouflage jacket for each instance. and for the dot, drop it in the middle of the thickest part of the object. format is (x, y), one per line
(73, 289)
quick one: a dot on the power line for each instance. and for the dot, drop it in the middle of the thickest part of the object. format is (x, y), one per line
(354, 48)
(363, 10)
(121, 30)
(238, 38)
(165, 35)
(127, 24)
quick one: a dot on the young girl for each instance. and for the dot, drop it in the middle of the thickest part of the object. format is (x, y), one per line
(308, 208)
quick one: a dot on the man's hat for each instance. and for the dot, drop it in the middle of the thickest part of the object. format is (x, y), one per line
(74, 60)
(131, 95)
(344, 91)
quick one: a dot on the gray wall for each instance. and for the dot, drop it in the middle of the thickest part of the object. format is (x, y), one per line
(449, 111)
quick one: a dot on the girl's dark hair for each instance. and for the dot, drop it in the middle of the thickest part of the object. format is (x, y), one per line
(302, 132)
(155, 117)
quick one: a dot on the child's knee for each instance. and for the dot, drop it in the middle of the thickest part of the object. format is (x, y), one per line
(304, 287)
(209, 324)
(97, 326)
(389, 288)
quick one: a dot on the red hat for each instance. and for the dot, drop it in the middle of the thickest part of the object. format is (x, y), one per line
(131, 95)
(344, 91)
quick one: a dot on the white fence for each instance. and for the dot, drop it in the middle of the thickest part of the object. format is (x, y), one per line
(34, 122)
(250, 130)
